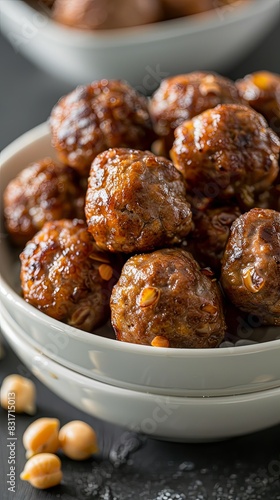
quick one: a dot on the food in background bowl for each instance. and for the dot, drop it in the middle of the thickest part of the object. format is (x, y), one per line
(114, 14)
(182, 97)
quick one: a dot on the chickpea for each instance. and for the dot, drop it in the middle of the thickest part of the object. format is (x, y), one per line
(41, 436)
(78, 440)
(42, 471)
(19, 392)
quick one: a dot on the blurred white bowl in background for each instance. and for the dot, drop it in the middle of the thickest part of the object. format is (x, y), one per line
(143, 55)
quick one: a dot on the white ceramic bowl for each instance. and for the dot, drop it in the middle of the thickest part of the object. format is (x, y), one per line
(181, 372)
(142, 55)
(165, 417)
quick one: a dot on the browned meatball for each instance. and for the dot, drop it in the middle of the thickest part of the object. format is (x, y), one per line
(182, 97)
(163, 298)
(107, 14)
(210, 235)
(66, 276)
(41, 192)
(251, 264)
(226, 151)
(136, 201)
(261, 90)
(97, 117)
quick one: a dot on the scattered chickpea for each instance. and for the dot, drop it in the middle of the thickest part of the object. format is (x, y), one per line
(41, 436)
(42, 471)
(22, 391)
(78, 440)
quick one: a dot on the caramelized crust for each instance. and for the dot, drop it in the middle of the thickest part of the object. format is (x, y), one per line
(136, 202)
(226, 151)
(164, 296)
(42, 192)
(251, 264)
(62, 275)
(182, 97)
(93, 118)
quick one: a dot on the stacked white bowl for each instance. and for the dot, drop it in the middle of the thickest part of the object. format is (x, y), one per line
(178, 394)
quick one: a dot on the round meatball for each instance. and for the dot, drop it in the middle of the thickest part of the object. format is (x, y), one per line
(107, 14)
(65, 275)
(209, 237)
(182, 97)
(41, 192)
(261, 90)
(93, 118)
(251, 264)
(226, 151)
(136, 201)
(163, 298)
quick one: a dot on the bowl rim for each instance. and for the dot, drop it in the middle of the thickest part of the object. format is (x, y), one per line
(24, 346)
(18, 11)
(42, 132)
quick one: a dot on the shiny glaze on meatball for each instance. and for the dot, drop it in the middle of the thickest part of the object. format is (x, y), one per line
(226, 151)
(41, 192)
(164, 298)
(182, 97)
(251, 264)
(261, 90)
(93, 118)
(65, 275)
(136, 201)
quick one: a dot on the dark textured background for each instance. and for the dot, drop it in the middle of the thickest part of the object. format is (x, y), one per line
(245, 468)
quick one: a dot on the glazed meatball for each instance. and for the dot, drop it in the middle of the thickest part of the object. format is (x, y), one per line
(97, 117)
(182, 97)
(136, 201)
(226, 151)
(261, 90)
(209, 237)
(163, 298)
(66, 276)
(41, 192)
(107, 14)
(251, 264)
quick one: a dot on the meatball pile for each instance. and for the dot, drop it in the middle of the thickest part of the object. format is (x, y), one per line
(158, 214)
